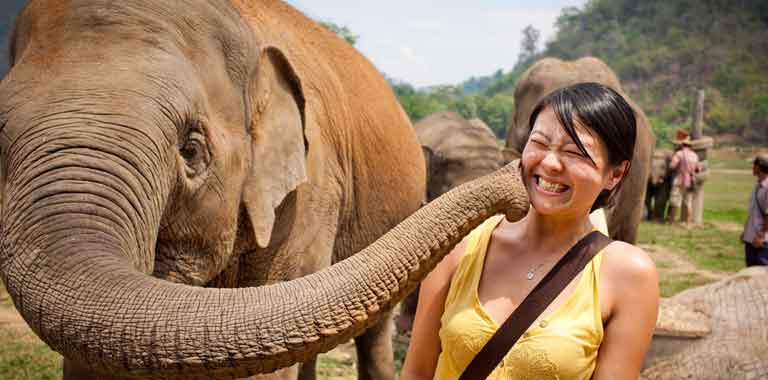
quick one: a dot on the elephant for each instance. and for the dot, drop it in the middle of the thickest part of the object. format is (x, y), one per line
(207, 189)
(456, 150)
(549, 74)
(659, 185)
(713, 332)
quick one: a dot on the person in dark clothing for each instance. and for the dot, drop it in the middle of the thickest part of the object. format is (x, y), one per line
(756, 228)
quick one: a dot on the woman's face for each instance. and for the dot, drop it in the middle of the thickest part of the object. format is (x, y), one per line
(561, 180)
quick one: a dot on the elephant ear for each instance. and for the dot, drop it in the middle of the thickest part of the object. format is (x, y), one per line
(429, 160)
(430, 163)
(278, 141)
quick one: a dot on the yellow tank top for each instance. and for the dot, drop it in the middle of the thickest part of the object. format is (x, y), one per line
(563, 345)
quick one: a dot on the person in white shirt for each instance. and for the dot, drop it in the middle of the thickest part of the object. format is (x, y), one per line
(685, 163)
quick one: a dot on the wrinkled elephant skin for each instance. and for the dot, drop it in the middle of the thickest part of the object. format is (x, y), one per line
(713, 332)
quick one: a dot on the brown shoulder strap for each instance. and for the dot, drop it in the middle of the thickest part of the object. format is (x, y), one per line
(534, 304)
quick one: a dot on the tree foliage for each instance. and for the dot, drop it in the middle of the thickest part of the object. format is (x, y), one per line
(529, 46)
(663, 50)
(494, 109)
(489, 98)
(341, 31)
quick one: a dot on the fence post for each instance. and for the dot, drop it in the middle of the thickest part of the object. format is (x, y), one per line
(700, 144)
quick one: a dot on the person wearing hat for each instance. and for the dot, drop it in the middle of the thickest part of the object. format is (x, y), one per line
(684, 163)
(756, 228)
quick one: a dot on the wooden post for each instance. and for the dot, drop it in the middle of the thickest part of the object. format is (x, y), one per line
(700, 146)
(697, 128)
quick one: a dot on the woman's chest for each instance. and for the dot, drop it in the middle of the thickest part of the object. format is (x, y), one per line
(504, 284)
(559, 348)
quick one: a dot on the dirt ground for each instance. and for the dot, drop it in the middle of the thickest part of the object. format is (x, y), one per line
(676, 265)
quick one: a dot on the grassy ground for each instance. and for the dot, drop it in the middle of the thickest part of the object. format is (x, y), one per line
(22, 355)
(689, 257)
(726, 195)
(685, 258)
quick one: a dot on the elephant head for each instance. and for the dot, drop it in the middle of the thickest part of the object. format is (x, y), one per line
(549, 74)
(117, 166)
(660, 172)
(456, 150)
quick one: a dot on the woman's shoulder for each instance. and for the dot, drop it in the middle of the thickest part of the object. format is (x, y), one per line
(627, 258)
(628, 265)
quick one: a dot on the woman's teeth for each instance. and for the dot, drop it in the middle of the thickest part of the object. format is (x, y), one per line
(551, 187)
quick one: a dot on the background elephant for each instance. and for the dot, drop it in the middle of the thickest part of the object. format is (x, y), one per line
(659, 185)
(207, 144)
(549, 74)
(713, 332)
(458, 150)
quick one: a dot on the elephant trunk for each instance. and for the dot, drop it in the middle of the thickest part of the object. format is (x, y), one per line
(75, 240)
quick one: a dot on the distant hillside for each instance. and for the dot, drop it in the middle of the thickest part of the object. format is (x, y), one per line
(662, 50)
(8, 11)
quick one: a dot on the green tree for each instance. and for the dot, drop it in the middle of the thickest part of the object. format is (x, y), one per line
(529, 47)
(663, 49)
(341, 31)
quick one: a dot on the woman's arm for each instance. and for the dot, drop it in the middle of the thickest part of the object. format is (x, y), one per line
(634, 288)
(424, 348)
(675, 160)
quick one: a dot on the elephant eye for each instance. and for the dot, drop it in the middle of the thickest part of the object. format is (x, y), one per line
(195, 153)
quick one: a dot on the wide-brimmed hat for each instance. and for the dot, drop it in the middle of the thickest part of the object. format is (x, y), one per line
(682, 137)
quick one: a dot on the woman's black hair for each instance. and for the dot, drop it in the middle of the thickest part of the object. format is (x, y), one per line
(603, 111)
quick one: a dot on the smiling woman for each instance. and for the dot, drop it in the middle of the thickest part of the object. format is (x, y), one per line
(579, 150)
(596, 135)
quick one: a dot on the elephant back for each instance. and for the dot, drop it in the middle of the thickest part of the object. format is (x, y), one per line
(446, 131)
(460, 150)
(545, 76)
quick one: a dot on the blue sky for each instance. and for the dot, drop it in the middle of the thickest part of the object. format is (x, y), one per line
(429, 42)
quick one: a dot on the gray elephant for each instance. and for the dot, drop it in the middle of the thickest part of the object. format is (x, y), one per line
(457, 150)
(154, 153)
(549, 74)
(659, 185)
(714, 332)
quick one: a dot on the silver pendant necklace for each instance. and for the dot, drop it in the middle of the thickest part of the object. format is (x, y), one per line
(532, 271)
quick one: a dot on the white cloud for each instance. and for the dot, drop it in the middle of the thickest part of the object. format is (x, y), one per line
(426, 25)
(542, 19)
(408, 54)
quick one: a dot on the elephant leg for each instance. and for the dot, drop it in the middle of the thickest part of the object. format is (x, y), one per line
(649, 197)
(73, 371)
(662, 201)
(374, 351)
(290, 373)
(404, 321)
(659, 205)
(308, 369)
